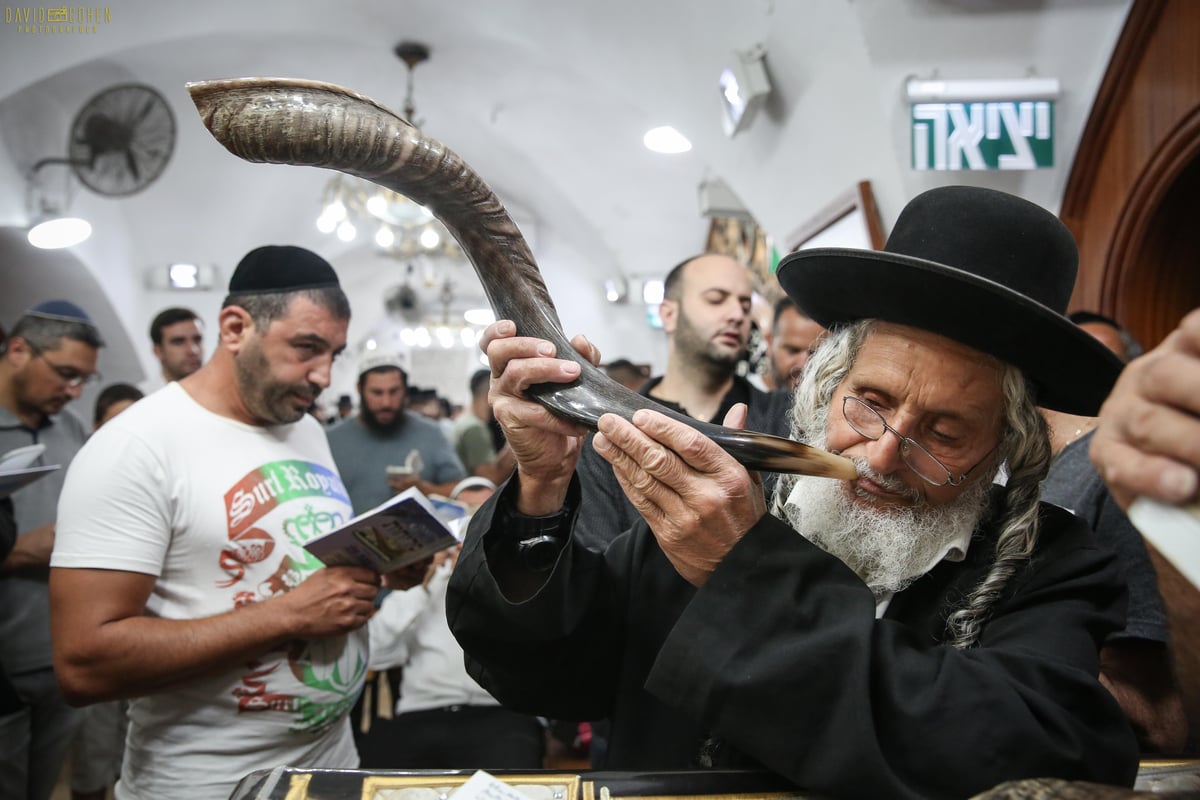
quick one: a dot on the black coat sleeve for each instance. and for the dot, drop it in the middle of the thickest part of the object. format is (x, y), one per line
(780, 655)
(604, 511)
(554, 654)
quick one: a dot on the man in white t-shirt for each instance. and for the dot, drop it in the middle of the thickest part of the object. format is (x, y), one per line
(178, 576)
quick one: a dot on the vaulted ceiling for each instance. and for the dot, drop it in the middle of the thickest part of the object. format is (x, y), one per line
(548, 101)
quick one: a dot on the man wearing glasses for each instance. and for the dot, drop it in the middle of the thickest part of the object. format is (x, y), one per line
(917, 632)
(47, 360)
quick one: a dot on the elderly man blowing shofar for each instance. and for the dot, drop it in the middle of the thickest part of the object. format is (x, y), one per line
(917, 632)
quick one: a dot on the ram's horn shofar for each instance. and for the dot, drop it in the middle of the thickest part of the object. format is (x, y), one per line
(283, 121)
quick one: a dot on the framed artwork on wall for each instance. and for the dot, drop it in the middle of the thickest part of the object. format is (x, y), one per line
(850, 220)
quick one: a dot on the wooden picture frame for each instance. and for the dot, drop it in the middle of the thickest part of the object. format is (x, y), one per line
(850, 220)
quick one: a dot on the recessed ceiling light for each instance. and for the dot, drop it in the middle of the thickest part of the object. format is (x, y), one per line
(666, 139)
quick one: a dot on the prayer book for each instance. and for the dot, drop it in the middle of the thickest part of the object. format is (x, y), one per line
(406, 528)
(16, 470)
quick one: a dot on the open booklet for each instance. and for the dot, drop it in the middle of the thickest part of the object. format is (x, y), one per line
(15, 469)
(406, 528)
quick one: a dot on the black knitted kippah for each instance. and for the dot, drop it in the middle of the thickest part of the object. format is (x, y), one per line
(281, 268)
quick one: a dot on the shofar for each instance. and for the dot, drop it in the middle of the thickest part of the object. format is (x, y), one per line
(1057, 789)
(284, 121)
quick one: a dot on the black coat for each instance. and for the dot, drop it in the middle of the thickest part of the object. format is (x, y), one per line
(779, 662)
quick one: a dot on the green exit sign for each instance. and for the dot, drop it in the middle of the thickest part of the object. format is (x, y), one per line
(983, 135)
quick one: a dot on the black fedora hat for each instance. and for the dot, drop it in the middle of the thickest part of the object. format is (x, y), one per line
(981, 267)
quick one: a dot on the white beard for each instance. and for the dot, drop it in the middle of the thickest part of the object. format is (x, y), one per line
(887, 546)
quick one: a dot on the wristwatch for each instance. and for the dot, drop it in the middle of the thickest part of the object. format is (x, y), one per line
(538, 540)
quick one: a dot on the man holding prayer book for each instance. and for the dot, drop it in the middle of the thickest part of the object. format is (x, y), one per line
(45, 365)
(179, 577)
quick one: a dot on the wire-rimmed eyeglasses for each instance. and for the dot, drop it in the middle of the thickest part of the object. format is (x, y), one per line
(868, 422)
(72, 377)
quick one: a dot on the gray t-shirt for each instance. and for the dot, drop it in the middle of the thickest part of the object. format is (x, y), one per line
(1074, 484)
(363, 456)
(25, 596)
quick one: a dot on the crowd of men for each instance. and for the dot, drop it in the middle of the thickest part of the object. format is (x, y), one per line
(929, 629)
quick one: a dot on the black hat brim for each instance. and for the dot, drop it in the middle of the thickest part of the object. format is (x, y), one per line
(1071, 370)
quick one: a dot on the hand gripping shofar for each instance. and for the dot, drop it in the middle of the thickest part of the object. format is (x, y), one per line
(285, 121)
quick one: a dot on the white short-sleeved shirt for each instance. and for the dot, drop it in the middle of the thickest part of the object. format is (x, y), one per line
(218, 511)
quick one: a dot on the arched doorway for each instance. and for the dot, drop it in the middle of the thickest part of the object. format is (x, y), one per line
(1135, 183)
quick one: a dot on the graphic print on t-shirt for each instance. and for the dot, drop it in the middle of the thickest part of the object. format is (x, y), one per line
(300, 500)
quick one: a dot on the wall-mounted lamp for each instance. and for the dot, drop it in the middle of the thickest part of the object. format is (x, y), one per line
(189, 276)
(744, 86)
(718, 200)
(182, 276)
(652, 292)
(616, 290)
(57, 231)
(50, 227)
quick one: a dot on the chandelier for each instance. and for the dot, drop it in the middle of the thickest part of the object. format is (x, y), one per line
(408, 325)
(400, 226)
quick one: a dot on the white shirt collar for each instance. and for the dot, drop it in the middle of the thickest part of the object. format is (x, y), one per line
(955, 550)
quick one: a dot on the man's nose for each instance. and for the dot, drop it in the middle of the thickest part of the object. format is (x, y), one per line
(885, 453)
(320, 374)
(74, 391)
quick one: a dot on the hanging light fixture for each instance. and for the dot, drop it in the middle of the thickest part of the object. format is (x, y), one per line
(410, 325)
(398, 225)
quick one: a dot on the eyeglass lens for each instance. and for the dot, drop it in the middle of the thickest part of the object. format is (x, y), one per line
(68, 375)
(868, 422)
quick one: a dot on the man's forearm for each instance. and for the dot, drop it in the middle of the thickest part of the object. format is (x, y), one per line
(538, 497)
(443, 489)
(31, 550)
(143, 655)
(496, 472)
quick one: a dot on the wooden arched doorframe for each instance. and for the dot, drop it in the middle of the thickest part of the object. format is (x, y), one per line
(1136, 173)
(1130, 202)
(1140, 284)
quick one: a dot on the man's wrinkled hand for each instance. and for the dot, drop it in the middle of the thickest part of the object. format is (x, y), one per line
(696, 498)
(1148, 440)
(546, 446)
